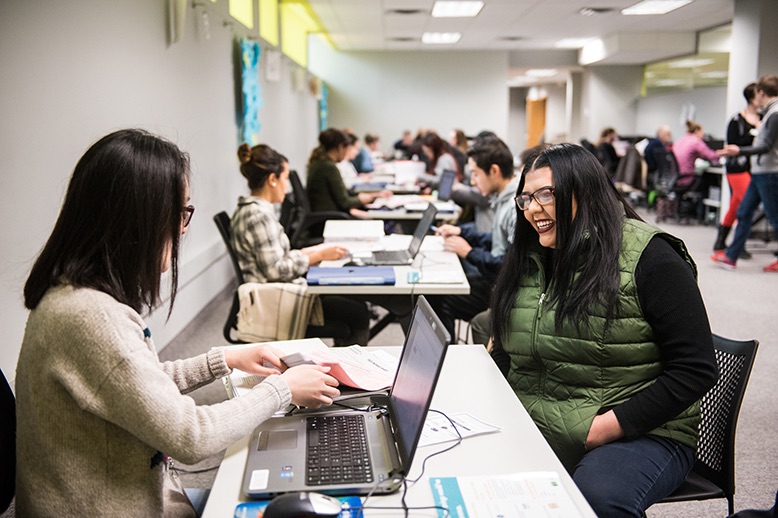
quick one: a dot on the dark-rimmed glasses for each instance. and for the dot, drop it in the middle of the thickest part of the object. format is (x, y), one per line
(186, 215)
(544, 196)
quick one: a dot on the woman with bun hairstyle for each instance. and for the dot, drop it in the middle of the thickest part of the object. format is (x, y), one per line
(263, 248)
(98, 414)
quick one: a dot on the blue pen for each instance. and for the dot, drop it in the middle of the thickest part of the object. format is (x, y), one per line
(434, 228)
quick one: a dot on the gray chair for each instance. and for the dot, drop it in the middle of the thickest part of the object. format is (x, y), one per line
(7, 444)
(713, 474)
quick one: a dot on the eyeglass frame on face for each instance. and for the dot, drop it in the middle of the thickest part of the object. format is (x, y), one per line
(529, 197)
(187, 213)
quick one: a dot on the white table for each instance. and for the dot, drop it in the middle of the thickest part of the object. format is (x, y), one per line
(518, 447)
(431, 261)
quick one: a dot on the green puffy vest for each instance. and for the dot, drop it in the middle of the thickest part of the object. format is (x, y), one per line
(565, 378)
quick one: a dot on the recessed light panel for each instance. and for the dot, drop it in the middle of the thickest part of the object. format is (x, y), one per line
(647, 7)
(572, 43)
(453, 9)
(440, 38)
(541, 72)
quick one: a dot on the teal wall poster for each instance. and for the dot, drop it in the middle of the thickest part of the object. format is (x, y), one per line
(323, 108)
(250, 89)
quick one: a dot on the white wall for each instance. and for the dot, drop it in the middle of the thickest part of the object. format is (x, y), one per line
(388, 92)
(710, 107)
(74, 71)
(610, 97)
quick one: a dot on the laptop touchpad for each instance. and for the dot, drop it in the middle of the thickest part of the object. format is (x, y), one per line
(278, 440)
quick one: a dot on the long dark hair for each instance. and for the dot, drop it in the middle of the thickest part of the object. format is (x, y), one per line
(584, 267)
(258, 163)
(329, 139)
(123, 206)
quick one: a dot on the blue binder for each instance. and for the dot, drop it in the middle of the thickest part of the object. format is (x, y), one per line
(351, 275)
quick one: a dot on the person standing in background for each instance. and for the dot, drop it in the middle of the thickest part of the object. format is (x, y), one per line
(740, 131)
(764, 175)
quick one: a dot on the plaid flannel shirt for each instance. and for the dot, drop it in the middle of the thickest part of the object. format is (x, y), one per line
(261, 244)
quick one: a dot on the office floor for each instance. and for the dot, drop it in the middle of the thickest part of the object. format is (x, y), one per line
(741, 305)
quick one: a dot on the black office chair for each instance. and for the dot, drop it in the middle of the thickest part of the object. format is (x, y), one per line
(222, 221)
(713, 474)
(7, 444)
(328, 330)
(306, 225)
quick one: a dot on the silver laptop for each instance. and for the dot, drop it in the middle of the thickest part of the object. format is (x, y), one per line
(351, 452)
(400, 257)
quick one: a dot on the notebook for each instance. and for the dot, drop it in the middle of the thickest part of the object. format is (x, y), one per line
(350, 275)
(281, 448)
(446, 184)
(390, 257)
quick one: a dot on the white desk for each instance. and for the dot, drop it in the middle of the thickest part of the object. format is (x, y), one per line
(411, 207)
(431, 260)
(518, 447)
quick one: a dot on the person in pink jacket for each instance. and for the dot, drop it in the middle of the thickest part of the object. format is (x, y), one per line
(687, 149)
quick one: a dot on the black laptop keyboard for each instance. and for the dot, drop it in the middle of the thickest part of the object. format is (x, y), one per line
(390, 256)
(338, 452)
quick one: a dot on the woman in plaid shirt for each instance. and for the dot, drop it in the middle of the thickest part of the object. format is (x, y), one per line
(263, 248)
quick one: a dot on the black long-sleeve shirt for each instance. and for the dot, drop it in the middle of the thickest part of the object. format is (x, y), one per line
(673, 307)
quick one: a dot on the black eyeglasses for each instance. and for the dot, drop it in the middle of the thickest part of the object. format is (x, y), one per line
(186, 215)
(544, 196)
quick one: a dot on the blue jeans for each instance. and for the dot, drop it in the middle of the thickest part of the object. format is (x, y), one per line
(763, 188)
(625, 477)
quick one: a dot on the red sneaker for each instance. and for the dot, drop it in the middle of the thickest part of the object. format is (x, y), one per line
(772, 267)
(721, 259)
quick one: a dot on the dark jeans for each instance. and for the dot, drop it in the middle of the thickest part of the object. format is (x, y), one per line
(763, 188)
(625, 477)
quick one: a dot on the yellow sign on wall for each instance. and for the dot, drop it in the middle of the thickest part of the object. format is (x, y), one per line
(243, 11)
(268, 21)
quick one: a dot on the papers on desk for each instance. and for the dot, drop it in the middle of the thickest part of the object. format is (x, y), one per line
(533, 494)
(437, 429)
(353, 229)
(354, 366)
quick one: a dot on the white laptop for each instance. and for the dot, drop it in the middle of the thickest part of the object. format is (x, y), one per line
(352, 452)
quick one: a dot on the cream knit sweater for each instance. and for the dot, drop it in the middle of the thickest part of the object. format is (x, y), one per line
(95, 408)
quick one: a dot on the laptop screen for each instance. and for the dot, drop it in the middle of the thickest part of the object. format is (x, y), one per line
(446, 184)
(417, 375)
(421, 229)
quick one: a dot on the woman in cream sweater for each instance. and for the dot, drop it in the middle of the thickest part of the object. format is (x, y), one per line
(99, 415)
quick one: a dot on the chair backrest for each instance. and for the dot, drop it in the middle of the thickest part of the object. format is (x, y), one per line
(720, 408)
(630, 169)
(298, 190)
(7, 444)
(666, 171)
(222, 221)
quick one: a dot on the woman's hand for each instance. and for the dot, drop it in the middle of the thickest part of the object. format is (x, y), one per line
(605, 428)
(729, 150)
(311, 386)
(252, 360)
(319, 253)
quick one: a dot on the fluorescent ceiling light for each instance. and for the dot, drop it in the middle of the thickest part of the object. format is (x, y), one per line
(452, 9)
(670, 82)
(690, 63)
(440, 38)
(655, 7)
(717, 74)
(541, 72)
(572, 43)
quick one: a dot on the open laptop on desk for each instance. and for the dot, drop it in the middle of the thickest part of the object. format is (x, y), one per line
(446, 184)
(400, 257)
(289, 453)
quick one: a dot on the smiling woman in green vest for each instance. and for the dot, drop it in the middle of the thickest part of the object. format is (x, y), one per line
(600, 329)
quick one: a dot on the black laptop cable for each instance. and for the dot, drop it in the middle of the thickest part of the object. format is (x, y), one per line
(405, 508)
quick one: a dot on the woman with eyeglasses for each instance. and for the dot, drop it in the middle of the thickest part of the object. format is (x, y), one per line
(98, 414)
(600, 329)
